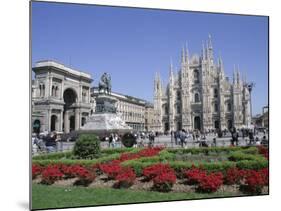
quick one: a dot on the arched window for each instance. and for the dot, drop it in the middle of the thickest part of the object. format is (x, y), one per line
(215, 93)
(57, 91)
(43, 92)
(196, 98)
(166, 110)
(178, 109)
(196, 76)
(216, 107)
(53, 91)
(40, 90)
(179, 95)
(228, 106)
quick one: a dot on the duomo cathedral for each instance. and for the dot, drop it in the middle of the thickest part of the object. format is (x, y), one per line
(200, 96)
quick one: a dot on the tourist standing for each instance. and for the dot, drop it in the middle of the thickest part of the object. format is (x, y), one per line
(251, 136)
(182, 137)
(51, 142)
(234, 135)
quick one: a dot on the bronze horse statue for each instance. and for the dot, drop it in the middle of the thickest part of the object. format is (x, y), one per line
(105, 84)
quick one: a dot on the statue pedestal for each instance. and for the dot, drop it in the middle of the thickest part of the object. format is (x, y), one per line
(105, 104)
(105, 120)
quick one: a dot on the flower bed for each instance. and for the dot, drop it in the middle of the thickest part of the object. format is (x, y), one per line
(125, 178)
(195, 175)
(210, 183)
(164, 181)
(246, 167)
(51, 174)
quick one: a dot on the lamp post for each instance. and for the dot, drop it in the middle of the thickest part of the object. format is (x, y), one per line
(250, 86)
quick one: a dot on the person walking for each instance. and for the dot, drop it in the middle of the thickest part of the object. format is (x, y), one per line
(251, 136)
(182, 137)
(234, 135)
(51, 142)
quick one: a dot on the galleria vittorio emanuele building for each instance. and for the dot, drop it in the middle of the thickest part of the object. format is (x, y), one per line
(200, 95)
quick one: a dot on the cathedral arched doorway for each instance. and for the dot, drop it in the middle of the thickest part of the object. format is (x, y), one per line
(229, 124)
(217, 124)
(197, 123)
(70, 98)
(72, 123)
(179, 127)
(54, 122)
(167, 126)
(36, 126)
(83, 121)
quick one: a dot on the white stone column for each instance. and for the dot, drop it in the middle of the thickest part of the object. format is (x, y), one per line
(80, 93)
(77, 118)
(62, 87)
(61, 121)
(50, 86)
(66, 122)
(89, 95)
(49, 120)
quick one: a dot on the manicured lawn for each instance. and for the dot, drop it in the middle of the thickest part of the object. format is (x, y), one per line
(44, 196)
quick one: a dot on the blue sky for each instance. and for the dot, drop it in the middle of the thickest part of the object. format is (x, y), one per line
(132, 44)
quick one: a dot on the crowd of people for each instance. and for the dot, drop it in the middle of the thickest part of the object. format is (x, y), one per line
(249, 136)
(52, 142)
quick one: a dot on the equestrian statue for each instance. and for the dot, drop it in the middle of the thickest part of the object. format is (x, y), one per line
(105, 84)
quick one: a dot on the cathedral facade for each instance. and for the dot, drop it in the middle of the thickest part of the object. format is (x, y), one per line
(200, 96)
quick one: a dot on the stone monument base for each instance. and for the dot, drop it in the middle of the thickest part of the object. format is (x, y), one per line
(104, 124)
(105, 120)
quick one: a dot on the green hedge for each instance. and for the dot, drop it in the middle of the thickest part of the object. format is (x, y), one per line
(70, 155)
(137, 165)
(79, 161)
(53, 156)
(213, 150)
(120, 150)
(252, 164)
(180, 165)
(166, 155)
(240, 155)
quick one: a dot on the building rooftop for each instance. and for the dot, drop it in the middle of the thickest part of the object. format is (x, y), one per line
(47, 63)
(122, 96)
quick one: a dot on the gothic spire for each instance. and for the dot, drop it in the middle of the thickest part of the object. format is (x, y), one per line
(210, 49)
(238, 74)
(220, 63)
(210, 46)
(183, 55)
(234, 75)
(203, 51)
(171, 68)
(186, 53)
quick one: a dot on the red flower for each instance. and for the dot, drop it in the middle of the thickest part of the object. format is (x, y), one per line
(254, 181)
(165, 177)
(50, 174)
(194, 175)
(154, 170)
(111, 169)
(264, 151)
(84, 175)
(210, 183)
(125, 177)
(148, 152)
(128, 156)
(36, 170)
(68, 170)
(233, 176)
(265, 175)
(164, 181)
